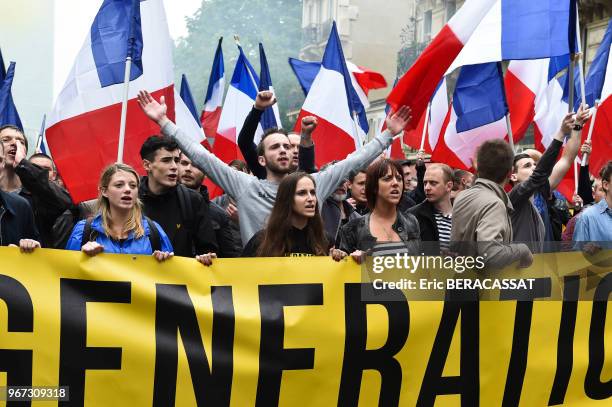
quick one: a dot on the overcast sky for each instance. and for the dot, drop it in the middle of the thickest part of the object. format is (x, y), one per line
(73, 19)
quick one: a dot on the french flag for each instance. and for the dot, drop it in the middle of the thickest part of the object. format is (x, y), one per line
(478, 114)
(214, 96)
(306, 72)
(535, 94)
(598, 86)
(8, 111)
(83, 130)
(485, 31)
(271, 116)
(334, 101)
(437, 120)
(186, 113)
(239, 101)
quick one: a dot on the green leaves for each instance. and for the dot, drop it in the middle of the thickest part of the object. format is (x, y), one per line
(275, 23)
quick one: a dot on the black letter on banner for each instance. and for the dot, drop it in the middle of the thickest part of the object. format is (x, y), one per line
(520, 338)
(357, 358)
(75, 356)
(273, 357)
(565, 342)
(175, 312)
(468, 382)
(593, 386)
(17, 363)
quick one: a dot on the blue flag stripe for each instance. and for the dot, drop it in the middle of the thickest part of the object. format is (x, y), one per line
(265, 83)
(116, 33)
(535, 28)
(479, 96)
(8, 111)
(218, 70)
(187, 97)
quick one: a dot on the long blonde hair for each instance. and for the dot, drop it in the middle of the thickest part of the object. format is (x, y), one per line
(134, 223)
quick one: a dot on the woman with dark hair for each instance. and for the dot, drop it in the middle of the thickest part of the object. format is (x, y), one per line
(385, 230)
(295, 227)
(120, 226)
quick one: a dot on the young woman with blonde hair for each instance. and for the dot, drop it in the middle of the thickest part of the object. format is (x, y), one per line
(120, 226)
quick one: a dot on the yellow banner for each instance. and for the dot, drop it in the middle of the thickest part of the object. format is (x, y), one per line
(120, 330)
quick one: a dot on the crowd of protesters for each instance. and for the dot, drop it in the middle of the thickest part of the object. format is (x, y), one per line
(278, 204)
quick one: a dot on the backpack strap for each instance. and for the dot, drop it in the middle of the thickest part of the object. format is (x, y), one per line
(154, 238)
(89, 234)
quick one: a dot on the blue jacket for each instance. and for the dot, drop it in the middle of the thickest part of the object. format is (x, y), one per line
(129, 246)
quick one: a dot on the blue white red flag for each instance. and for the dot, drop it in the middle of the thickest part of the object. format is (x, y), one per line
(342, 124)
(214, 96)
(486, 31)
(239, 101)
(271, 116)
(477, 114)
(83, 127)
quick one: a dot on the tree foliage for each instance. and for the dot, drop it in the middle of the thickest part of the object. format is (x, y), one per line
(275, 23)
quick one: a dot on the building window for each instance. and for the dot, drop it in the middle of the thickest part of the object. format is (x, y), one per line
(331, 15)
(451, 8)
(427, 25)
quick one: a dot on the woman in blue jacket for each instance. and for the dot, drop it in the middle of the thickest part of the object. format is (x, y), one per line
(120, 226)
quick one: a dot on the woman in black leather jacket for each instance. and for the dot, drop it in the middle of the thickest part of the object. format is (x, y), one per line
(385, 230)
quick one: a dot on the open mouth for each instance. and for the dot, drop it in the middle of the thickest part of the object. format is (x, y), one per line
(126, 199)
(172, 177)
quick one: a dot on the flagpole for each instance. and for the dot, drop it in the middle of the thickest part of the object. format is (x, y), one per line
(576, 176)
(126, 90)
(357, 136)
(425, 126)
(580, 57)
(570, 78)
(502, 74)
(591, 127)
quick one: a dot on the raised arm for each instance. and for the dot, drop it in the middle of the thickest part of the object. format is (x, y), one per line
(328, 180)
(232, 181)
(585, 189)
(544, 168)
(571, 148)
(306, 158)
(246, 138)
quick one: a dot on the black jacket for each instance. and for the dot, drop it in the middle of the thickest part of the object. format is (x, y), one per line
(47, 199)
(330, 212)
(228, 245)
(187, 224)
(356, 235)
(62, 228)
(249, 150)
(424, 212)
(16, 220)
(418, 194)
(223, 202)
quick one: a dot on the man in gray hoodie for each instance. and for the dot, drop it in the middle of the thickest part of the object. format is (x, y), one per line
(255, 197)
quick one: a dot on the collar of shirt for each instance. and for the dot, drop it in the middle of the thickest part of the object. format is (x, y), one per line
(603, 207)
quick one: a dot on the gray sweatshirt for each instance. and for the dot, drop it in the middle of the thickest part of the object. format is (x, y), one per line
(255, 197)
